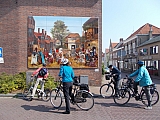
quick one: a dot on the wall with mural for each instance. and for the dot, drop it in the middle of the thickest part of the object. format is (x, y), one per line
(50, 39)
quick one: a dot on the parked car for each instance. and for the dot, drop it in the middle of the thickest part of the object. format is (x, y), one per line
(151, 68)
(106, 70)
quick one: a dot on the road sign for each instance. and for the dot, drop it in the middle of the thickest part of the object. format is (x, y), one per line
(1, 52)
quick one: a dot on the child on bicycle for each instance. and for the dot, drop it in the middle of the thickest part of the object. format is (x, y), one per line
(66, 74)
(40, 78)
(143, 79)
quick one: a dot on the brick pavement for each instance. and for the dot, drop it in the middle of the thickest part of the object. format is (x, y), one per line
(104, 109)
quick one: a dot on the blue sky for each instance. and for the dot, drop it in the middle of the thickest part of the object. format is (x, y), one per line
(120, 18)
(47, 22)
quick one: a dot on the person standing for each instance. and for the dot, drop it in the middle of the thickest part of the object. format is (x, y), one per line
(66, 74)
(144, 80)
(117, 76)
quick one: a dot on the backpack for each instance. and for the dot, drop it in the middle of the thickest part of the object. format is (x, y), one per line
(42, 72)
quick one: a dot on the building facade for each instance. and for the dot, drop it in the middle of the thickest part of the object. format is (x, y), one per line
(14, 24)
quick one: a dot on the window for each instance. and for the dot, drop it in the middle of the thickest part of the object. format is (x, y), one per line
(154, 50)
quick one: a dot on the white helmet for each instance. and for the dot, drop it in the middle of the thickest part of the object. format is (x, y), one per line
(65, 61)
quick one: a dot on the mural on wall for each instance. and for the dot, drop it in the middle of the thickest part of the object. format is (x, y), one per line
(51, 39)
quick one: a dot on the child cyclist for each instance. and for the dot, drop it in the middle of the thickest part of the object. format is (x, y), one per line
(40, 78)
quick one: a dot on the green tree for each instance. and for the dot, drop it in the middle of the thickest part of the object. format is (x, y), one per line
(59, 31)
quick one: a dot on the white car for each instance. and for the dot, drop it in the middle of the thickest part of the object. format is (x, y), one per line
(106, 70)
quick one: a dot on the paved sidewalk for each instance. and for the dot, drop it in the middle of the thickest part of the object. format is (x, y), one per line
(104, 109)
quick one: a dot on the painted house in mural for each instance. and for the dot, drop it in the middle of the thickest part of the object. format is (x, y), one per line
(91, 33)
(30, 34)
(72, 42)
(90, 28)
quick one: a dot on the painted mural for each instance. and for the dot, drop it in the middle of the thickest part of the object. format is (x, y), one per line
(50, 39)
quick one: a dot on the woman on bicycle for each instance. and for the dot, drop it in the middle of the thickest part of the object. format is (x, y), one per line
(143, 79)
(66, 74)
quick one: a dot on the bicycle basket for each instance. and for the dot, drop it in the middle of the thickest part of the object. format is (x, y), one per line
(107, 77)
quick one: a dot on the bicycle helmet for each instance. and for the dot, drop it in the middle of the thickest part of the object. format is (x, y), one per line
(65, 61)
(140, 63)
(110, 66)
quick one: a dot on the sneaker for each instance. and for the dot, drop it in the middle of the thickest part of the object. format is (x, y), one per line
(148, 108)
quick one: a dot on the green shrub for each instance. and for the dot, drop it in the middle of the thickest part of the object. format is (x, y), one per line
(103, 71)
(10, 83)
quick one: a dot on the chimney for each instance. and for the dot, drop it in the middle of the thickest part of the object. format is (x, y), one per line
(38, 30)
(43, 31)
(150, 31)
(121, 39)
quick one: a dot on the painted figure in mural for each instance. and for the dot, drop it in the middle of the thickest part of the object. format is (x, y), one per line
(50, 58)
(60, 55)
(45, 53)
(34, 58)
(42, 57)
(54, 55)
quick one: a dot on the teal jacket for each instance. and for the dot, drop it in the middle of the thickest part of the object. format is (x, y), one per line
(143, 76)
(67, 73)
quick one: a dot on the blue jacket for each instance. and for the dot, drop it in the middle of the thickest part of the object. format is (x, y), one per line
(117, 73)
(143, 76)
(67, 74)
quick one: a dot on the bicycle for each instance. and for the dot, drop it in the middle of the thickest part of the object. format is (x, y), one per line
(127, 91)
(107, 90)
(44, 95)
(82, 98)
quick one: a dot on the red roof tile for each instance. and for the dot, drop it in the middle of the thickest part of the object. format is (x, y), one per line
(145, 30)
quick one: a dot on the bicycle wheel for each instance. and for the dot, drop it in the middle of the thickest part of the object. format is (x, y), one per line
(155, 98)
(56, 98)
(27, 93)
(106, 90)
(46, 95)
(84, 100)
(123, 97)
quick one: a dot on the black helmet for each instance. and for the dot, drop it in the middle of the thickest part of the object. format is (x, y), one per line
(110, 66)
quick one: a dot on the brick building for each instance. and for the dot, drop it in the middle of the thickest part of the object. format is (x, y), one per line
(13, 30)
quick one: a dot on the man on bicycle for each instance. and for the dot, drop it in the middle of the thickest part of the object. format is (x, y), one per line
(117, 76)
(39, 79)
(66, 74)
(143, 79)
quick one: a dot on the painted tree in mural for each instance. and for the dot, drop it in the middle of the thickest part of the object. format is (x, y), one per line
(59, 31)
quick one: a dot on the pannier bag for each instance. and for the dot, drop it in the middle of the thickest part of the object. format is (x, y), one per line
(84, 87)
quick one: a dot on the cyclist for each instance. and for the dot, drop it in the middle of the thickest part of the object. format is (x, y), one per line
(117, 76)
(66, 74)
(39, 79)
(143, 79)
